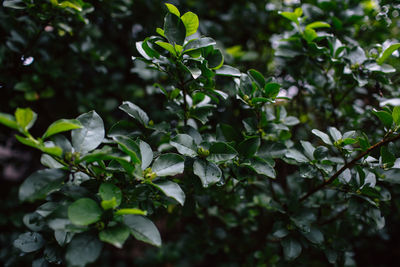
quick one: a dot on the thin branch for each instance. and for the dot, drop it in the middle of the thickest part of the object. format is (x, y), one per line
(349, 165)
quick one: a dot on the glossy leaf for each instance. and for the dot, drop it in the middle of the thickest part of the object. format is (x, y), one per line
(215, 59)
(143, 229)
(25, 118)
(173, 9)
(199, 43)
(84, 211)
(208, 172)
(221, 152)
(262, 167)
(146, 154)
(107, 191)
(174, 29)
(191, 22)
(226, 70)
(324, 137)
(130, 147)
(291, 248)
(172, 190)
(184, 144)
(135, 112)
(115, 235)
(91, 135)
(167, 46)
(29, 242)
(41, 183)
(61, 126)
(168, 165)
(249, 147)
(83, 249)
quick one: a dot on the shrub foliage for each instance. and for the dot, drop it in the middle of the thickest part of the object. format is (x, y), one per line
(248, 170)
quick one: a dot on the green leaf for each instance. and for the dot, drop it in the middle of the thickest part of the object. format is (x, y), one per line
(296, 155)
(299, 12)
(172, 190)
(62, 125)
(198, 43)
(8, 120)
(315, 236)
(174, 29)
(257, 77)
(116, 235)
(128, 146)
(215, 59)
(208, 172)
(249, 147)
(135, 112)
(335, 133)
(161, 32)
(228, 133)
(290, 16)
(385, 117)
(83, 249)
(324, 137)
(143, 229)
(105, 153)
(308, 149)
(131, 211)
(173, 9)
(145, 50)
(146, 154)
(221, 152)
(107, 191)
(310, 34)
(54, 151)
(318, 24)
(25, 118)
(291, 248)
(167, 46)
(168, 165)
(396, 115)
(109, 204)
(191, 22)
(226, 70)
(84, 211)
(90, 135)
(29, 242)
(387, 157)
(272, 89)
(262, 167)
(70, 4)
(388, 51)
(184, 144)
(40, 184)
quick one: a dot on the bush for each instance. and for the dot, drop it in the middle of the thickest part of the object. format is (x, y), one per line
(232, 167)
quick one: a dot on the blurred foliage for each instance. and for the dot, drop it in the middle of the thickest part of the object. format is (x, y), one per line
(64, 58)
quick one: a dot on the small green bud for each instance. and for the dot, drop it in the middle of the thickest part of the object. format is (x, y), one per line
(99, 226)
(203, 152)
(68, 156)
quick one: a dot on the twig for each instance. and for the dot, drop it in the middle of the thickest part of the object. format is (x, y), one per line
(349, 165)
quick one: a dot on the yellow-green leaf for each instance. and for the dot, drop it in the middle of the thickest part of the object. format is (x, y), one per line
(191, 22)
(173, 9)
